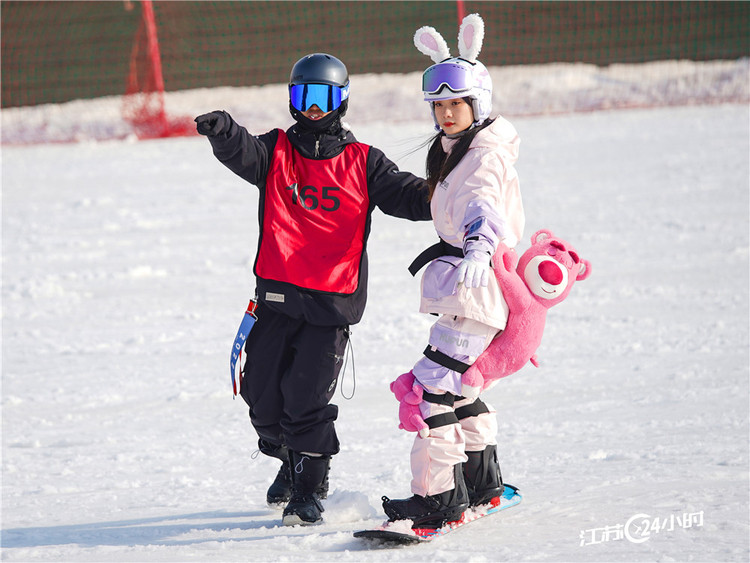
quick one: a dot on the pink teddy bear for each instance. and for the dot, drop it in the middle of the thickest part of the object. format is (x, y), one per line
(409, 395)
(544, 277)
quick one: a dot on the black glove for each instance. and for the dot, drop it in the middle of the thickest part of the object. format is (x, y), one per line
(213, 123)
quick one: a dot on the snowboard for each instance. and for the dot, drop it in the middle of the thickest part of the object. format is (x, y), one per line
(397, 533)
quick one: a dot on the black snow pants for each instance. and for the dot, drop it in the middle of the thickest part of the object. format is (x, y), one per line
(290, 375)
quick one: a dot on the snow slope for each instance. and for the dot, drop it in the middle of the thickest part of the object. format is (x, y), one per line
(127, 266)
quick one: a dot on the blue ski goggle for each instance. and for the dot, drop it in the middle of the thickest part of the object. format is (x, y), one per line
(456, 77)
(325, 96)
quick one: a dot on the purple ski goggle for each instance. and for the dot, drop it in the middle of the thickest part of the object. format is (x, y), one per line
(456, 77)
(325, 96)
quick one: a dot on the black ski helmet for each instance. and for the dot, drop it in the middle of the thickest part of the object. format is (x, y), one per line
(319, 68)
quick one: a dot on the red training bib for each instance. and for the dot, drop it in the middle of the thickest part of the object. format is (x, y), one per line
(314, 219)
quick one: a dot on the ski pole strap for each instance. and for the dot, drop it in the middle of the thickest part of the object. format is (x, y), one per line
(248, 320)
(445, 360)
(437, 250)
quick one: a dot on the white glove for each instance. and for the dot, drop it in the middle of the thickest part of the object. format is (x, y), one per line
(474, 269)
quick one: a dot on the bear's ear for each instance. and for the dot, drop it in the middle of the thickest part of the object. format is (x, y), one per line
(541, 236)
(584, 270)
(431, 43)
(470, 37)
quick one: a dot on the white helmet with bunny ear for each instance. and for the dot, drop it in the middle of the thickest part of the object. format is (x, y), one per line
(456, 77)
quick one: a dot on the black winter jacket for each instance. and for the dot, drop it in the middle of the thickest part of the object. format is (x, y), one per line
(396, 193)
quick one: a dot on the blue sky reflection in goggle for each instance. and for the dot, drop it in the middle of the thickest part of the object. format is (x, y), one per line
(325, 96)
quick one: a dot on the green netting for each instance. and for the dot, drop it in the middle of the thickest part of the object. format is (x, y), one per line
(57, 51)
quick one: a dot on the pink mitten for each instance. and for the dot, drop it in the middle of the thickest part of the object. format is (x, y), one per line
(409, 396)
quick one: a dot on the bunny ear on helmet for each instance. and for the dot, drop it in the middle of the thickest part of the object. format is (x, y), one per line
(470, 37)
(431, 43)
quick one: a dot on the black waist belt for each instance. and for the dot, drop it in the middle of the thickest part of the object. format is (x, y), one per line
(437, 250)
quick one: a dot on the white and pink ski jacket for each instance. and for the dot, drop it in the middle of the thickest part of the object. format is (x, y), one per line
(475, 207)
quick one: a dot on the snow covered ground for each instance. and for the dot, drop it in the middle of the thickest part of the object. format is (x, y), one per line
(126, 267)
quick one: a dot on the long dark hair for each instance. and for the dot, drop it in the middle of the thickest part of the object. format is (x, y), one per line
(440, 164)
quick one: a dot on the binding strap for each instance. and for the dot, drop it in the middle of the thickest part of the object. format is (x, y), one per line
(447, 399)
(437, 250)
(474, 409)
(445, 360)
(439, 420)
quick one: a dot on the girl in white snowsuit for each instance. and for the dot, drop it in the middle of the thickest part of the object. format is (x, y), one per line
(475, 204)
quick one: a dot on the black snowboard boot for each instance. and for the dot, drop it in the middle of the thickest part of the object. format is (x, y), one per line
(279, 492)
(309, 480)
(483, 479)
(432, 511)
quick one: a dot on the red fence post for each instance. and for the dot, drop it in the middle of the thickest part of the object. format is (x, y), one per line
(461, 11)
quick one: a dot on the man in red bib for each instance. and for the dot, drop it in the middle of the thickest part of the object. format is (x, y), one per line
(318, 187)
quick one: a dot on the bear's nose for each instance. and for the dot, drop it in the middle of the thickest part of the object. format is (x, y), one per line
(550, 272)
